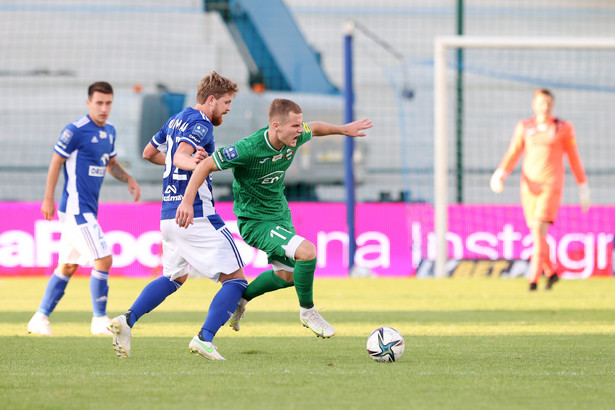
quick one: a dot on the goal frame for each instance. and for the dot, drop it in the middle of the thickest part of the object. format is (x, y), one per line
(441, 46)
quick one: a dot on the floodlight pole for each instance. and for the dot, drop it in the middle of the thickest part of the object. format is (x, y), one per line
(349, 144)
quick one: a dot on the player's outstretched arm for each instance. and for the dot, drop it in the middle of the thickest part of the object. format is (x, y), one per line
(115, 169)
(48, 209)
(352, 129)
(185, 211)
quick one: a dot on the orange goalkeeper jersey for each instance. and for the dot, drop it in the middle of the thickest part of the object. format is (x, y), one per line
(544, 146)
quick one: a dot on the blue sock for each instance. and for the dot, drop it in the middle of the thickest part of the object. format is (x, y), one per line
(222, 307)
(53, 293)
(99, 291)
(151, 296)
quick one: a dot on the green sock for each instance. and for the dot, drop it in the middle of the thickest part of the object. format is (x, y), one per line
(267, 281)
(303, 276)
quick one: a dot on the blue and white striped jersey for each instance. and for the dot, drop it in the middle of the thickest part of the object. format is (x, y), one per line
(191, 126)
(87, 148)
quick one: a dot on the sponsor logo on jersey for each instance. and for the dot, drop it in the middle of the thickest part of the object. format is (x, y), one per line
(306, 127)
(102, 134)
(230, 153)
(66, 136)
(277, 157)
(104, 159)
(178, 176)
(289, 153)
(95, 171)
(171, 198)
(94, 139)
(271, 178)
(170, 190)
(263, 161)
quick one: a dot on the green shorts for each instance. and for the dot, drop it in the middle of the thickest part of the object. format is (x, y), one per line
(277, 239)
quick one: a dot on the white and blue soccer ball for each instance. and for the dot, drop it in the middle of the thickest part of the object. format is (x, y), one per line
(385, 344)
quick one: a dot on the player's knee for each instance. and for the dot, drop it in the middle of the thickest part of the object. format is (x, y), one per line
(182, 279)
(104, 264)
(238, 274)
(306, 251)
(68, 269)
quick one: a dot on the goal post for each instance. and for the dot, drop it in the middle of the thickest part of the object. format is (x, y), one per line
(442, 69)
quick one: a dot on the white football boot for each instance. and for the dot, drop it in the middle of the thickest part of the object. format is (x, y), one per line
(205, 349)
(39, 324)
(316, 323)
(238, 315)
(122, 334)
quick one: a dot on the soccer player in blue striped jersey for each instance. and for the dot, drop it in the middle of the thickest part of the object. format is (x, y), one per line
(259, 163)
(207, 246)
(85, 151)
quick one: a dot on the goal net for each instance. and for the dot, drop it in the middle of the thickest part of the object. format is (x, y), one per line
(483, 86)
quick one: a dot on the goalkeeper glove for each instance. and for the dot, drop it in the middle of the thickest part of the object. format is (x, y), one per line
(584, 196)
(497, 181)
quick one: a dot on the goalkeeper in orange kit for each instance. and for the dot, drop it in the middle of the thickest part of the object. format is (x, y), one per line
(544, 139)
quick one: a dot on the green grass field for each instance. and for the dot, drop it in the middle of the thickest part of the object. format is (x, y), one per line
(470, 343)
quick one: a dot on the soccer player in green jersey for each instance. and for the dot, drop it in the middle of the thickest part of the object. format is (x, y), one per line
(259, 163)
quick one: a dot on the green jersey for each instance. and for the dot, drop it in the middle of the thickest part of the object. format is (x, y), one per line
(259, 171)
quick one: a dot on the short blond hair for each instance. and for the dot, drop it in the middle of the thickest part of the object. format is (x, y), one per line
(281, 107)
(216, 85)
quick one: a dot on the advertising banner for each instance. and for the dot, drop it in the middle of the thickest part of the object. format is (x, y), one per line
(392, 238)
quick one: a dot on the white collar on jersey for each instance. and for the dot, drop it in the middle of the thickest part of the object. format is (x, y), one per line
(266, 135)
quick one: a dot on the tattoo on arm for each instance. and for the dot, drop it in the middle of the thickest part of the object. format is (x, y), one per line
(118, 172)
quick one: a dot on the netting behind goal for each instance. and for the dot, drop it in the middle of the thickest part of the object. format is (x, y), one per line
(478, 103)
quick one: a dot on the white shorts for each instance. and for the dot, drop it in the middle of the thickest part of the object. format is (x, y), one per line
(82, 241)
(202, 248)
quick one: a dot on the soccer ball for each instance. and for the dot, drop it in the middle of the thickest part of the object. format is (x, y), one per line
(385, 344)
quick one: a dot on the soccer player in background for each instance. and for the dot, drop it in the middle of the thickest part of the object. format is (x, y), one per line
(544, 139)
(207, 246)
(85, 150)
(259, 163)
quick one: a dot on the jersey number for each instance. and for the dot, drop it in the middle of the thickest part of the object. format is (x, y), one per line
(276, 233)
(168, 163)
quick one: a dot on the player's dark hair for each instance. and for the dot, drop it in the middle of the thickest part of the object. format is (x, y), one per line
(281, 107)
(101, 87)
(544, 91)
(216, 85)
